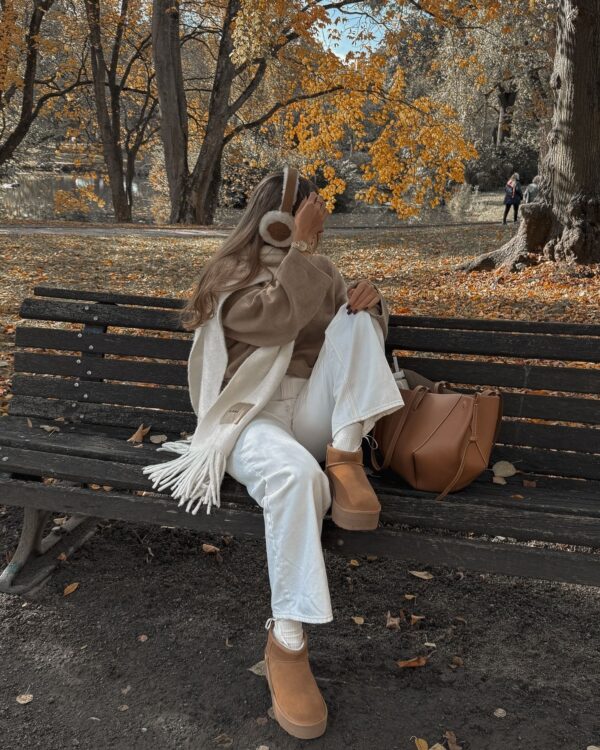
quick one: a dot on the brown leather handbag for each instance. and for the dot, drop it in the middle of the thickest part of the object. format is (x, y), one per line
(440, 440)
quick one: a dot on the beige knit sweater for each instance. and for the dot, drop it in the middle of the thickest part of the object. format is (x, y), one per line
(298, 304)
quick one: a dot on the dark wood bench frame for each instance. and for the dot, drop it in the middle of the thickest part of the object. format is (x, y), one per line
(99, 400)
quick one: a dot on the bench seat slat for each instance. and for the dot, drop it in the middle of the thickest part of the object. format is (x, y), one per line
(538, 460)
(559, 495)
(521, 524)
(517, 560)
(518, 522)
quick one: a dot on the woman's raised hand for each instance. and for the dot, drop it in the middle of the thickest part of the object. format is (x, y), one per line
(362, 296)
(310, 218)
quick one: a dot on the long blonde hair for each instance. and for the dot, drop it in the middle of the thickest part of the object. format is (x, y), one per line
(244, 243)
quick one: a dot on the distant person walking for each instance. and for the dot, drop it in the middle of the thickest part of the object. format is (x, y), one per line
(513, 195)
(532, 190)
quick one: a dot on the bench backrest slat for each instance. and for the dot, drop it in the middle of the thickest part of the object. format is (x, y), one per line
(104, 343)
(535, 377)
(525, 345)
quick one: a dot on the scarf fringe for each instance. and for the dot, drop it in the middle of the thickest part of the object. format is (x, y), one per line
(195, 476)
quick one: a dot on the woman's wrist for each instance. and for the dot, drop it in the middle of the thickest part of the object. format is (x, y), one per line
(302, 245)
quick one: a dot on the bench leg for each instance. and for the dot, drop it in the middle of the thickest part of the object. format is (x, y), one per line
(32, 544)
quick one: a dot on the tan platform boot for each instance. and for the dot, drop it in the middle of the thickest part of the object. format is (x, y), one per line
(354, 503)
(297, 701)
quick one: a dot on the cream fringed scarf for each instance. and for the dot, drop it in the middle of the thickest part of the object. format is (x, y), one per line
(196, 475)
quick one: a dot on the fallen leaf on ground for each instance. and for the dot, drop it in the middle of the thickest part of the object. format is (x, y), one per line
(70, 589)
(424, 574)
(354, 564)
(457, 661)
(24, 698)
(416, 661)
(62, 557)
(124, 707)
(107, 487)
(223, 740)
(393, 623)
(410, 597)
(126, 690)
(29, 422)
(452, 742)
(359, 620)
(498, 480)
(210, 549)
(50, 428)
(270, 712)
(430, 645)
(142, 638)
(262, 720)
(517, 497)
(500, 713)
(258, 668)
(420, 743)
(139, 434)
(504, 469)
(416, 618)
(372, 558)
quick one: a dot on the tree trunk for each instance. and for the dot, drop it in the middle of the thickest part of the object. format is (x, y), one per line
(28, 111)
(506, 100)
(109, 127)
(567, 216)
(203, 187)
(173, 104)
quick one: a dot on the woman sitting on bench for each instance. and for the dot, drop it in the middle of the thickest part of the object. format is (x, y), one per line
(321, 379)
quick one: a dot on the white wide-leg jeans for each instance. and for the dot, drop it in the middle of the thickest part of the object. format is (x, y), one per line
(277, 456)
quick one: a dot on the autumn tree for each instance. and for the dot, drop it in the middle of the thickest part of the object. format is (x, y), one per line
(124, 92)
(565, 223)
(36, 68)
(271, 69)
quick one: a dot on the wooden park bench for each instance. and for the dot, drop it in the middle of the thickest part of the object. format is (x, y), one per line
(121, 362)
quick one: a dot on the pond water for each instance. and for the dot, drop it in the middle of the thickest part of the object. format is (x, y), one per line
(33, 195)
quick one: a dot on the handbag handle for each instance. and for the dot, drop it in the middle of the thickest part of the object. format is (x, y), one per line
(472, 436)
(419, 391)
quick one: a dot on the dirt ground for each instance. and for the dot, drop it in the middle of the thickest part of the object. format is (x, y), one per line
(530, 648)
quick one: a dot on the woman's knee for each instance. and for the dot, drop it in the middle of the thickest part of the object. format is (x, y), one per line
(303, 483)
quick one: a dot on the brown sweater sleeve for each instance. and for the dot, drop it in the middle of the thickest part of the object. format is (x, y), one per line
(275, 313)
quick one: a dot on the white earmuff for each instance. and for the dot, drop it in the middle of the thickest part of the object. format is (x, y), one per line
(276, 227)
